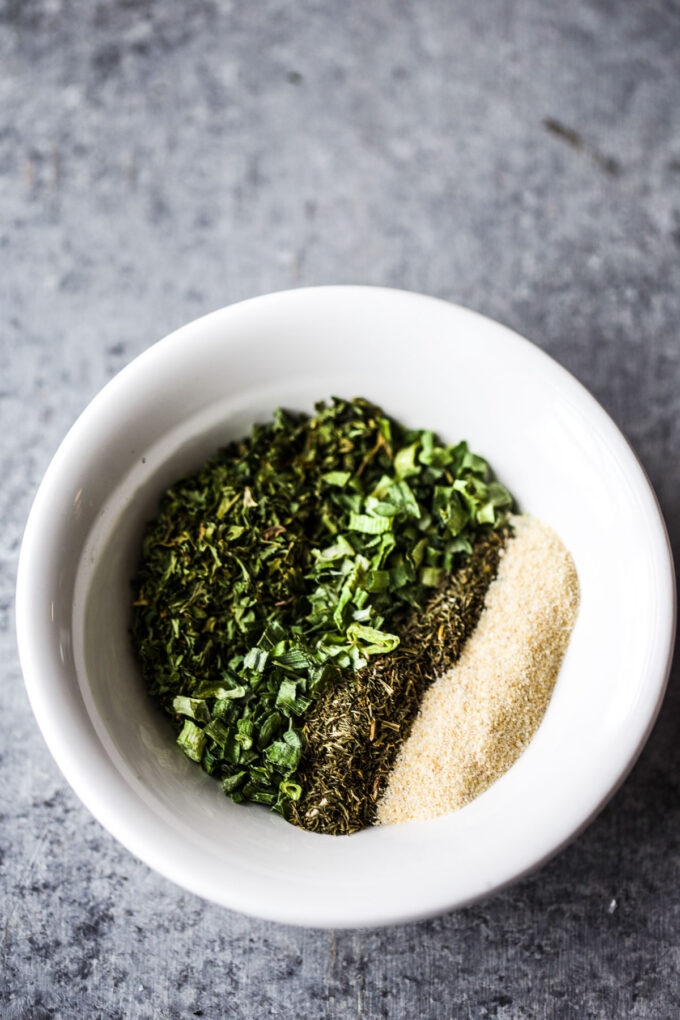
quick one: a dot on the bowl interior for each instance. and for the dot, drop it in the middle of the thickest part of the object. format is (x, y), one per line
(432, 365)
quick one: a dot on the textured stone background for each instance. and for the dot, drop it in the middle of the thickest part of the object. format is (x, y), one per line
(158, 160)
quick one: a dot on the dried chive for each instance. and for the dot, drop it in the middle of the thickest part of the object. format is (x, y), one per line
(354, 731)
(282, 566)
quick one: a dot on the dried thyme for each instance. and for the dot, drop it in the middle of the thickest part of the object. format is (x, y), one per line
(355, 729)
(284, 563)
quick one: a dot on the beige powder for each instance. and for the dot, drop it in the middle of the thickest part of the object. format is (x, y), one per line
(476, 720)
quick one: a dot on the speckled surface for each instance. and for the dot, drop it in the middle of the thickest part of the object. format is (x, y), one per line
(160, 160)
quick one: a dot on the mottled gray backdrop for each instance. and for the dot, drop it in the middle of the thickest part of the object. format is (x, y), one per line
(158, 160)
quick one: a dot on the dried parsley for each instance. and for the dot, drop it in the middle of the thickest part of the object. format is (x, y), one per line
(282, 564)
(355, 729)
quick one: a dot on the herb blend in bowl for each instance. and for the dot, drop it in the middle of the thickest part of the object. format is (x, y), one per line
(338, 556)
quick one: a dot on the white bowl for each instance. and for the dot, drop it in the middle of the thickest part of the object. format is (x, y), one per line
(430, 364)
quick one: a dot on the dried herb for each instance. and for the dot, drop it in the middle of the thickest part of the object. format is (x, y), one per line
(355, 729)
(281, 564)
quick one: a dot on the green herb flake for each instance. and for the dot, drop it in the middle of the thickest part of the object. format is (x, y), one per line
(192, 740)
(339, 478)
(192, 708)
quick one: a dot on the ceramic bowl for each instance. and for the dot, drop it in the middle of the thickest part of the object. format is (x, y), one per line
(430, 364)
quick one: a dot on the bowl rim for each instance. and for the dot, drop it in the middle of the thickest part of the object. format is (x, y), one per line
(38, 528)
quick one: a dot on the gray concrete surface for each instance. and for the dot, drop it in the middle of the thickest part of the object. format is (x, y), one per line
(158, 160)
